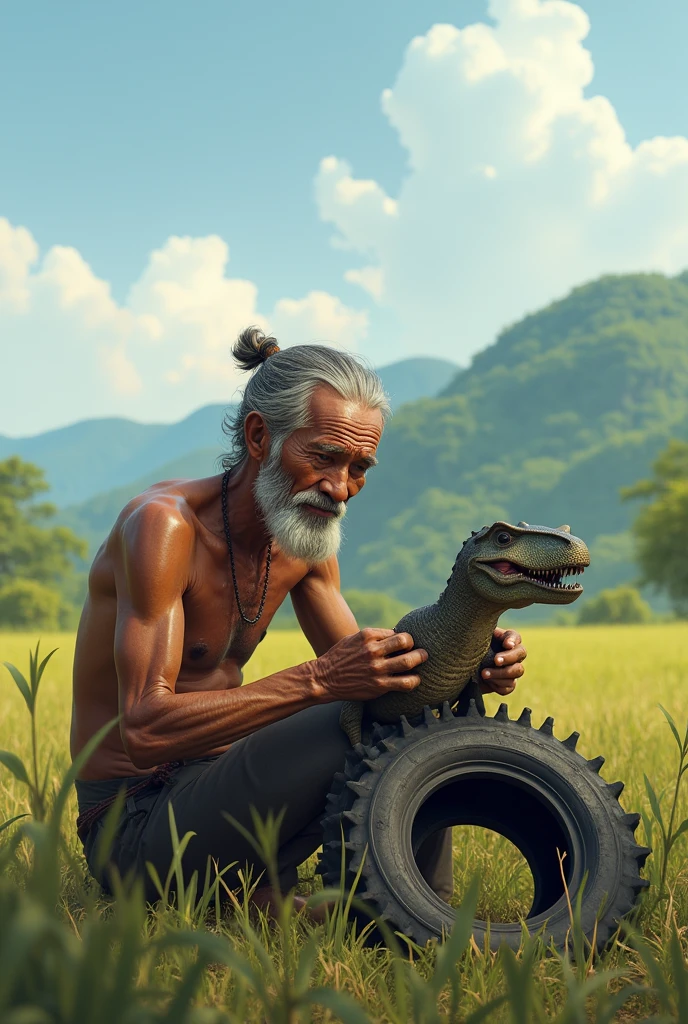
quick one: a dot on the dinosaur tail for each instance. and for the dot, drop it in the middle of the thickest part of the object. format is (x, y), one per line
(350, 720)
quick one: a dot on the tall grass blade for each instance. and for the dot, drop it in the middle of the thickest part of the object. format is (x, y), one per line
(683, 827)
(22, 684)
(654, 804)
(672, 726)
(305, 965)
(15, 764)
(37, 675)
(654, 968)
(11, 821)
(679, 968)
(73, 771)
(518, 975)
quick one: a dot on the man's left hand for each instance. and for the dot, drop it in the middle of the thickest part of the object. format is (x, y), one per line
(508, 666)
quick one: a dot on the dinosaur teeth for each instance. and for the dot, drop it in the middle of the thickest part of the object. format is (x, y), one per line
(552, 578)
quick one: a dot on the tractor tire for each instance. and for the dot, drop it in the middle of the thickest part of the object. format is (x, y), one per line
(501, 774)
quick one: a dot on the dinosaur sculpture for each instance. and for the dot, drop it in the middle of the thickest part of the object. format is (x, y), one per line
(499, 567)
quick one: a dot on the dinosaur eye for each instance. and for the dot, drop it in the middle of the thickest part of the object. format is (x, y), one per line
(503, 537)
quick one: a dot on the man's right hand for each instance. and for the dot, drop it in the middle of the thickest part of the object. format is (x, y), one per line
(368, 664)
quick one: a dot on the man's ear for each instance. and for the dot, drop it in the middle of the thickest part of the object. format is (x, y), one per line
(256, 436)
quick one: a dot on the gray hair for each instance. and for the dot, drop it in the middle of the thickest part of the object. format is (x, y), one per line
(281, 388)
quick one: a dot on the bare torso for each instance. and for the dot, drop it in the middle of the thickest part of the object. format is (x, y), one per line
(161, 643)
(217, 643)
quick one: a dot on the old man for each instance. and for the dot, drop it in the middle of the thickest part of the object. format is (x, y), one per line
(182, 592)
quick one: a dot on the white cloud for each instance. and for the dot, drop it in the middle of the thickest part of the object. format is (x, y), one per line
(70, 351)
(518, 186)
(18, 252)
(319, 317)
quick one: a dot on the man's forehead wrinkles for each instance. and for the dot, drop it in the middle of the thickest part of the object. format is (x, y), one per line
(347, 431)
(344, 442)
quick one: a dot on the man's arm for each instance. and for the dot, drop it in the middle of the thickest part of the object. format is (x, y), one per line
(158, 724)
(323, 614)
(325, 617)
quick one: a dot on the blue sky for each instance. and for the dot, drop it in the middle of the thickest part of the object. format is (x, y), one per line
(124, 125)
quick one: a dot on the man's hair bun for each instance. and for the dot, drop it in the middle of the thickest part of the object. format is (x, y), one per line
(252, 348)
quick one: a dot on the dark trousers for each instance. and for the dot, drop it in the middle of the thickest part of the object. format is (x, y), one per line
(286, 766)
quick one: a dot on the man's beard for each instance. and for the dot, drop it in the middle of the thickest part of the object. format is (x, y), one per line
(299, 534)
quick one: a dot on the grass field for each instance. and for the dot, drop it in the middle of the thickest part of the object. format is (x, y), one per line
(606, 683)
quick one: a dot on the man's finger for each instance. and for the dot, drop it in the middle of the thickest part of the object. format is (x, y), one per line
(394, 643)
(403, 662)
(376, 633)
(510, 657)
(508, 637)
(401, 682)
(502, 688)
(507, 672)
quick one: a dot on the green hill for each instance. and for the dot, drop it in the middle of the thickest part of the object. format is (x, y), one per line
(411, 379)
(546, 425)
(93, 456)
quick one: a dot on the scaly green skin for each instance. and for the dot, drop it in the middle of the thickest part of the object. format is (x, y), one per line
(457, 629)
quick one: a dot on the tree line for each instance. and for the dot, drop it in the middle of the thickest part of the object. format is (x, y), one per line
(43, 584)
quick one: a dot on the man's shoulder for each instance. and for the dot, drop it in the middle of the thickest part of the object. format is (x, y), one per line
(159, 513)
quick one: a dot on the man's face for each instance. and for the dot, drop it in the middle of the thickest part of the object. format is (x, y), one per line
(302, 490)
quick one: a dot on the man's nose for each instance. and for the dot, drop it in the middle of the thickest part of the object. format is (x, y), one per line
(336, 485)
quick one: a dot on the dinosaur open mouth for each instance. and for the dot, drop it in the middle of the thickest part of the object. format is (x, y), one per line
(550, 579)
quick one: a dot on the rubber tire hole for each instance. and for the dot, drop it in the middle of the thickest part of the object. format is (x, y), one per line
(506, 881)
(518, 814)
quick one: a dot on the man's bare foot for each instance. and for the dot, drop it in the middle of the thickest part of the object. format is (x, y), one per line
(264, 899)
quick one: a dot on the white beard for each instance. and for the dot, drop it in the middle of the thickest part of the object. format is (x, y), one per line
(299, 533)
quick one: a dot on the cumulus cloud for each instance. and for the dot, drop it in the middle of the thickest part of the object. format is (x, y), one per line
(70, 351)
(318, 317)
(518, 186)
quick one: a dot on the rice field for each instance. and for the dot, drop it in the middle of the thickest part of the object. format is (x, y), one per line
(604, 682)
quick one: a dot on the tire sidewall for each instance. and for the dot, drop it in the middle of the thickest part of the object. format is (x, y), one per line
(524, 757)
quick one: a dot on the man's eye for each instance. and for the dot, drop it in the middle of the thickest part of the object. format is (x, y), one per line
(321, 455)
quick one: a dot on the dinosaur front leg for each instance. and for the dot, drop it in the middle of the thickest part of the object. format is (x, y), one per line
(350, 719)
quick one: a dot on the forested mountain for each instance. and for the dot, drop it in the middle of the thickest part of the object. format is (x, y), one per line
(92, 457)
(546, 425)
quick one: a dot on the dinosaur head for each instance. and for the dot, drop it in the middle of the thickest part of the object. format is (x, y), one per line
(515, 566)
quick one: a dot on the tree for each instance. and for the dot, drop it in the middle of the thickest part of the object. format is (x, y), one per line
(661, 528)
(615, 607)
(26, 604)
(36, 559)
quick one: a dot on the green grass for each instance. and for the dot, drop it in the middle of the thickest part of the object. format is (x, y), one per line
(604, 682)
